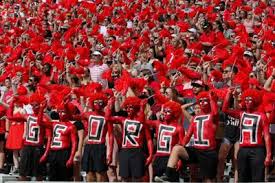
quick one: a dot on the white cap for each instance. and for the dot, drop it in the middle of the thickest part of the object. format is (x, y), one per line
(248, 53)
(97, 53)
(193, 30)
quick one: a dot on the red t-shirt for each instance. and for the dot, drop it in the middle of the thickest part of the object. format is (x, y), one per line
(253, 126)
(203, 128)
(62, 135)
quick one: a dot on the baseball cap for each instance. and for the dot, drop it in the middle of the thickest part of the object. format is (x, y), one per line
(97, 53)
(198, 83)
(248, 53)
(193, 30)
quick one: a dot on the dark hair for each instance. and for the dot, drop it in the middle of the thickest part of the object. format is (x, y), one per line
(219, 24)
(35, 78)
(48, 72)
(54, 115)
(234, 69)
(174, 91)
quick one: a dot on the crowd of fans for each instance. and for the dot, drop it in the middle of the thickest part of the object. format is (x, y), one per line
(57, 56)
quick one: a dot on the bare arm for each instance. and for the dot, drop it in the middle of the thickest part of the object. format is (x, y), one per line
(225, 107)
(186, 114)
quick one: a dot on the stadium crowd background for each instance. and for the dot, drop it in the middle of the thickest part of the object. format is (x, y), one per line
(168, 49)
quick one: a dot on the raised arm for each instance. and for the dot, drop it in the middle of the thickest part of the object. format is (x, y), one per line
(186, 114)
(225, 107)
(18, 117)
(213, 103)
(141, 114)
(108, 113)
(40, 119)
(73, 134)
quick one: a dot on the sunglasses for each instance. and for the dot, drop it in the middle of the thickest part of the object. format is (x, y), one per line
(129, 107)
(98, 102)
(225, 71)
(203, 100)
(166, 111)
(248, 99)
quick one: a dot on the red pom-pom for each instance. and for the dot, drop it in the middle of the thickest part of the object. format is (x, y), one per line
(131, 101)
(203, 95)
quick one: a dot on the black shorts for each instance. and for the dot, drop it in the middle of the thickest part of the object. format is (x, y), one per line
(131, 163)
(207, 161)
(251, 164)
(228, 140)
(159, 165)
(29, 162)
(2, 137)
(94, 158)
(58, 170)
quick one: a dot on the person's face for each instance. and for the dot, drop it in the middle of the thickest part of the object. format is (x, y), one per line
(167, 114)
(143, 57)
(96, 58)
(62, 115)
(169, 93)
(16, 8)
(197, 89)
(249, 104)
(35, 107)
(197, 109)
(73, 97)
(249, 15)
(46, 68)
(252, 75)
(19, 76)
(151, 53)
(115, 68)
(115, 71)
(242, 14)
(192, 65)
(249, 59)
(109, 40)
(8, 83)
(232, 37)
(204, 103)
(227, 73)
(252, 86)
(86, 72)
(19, 62)
(6, 27)
(31, 81)
(174, 42)
(144, 94)
(131, 111)
(98, 105)
(218, 66)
